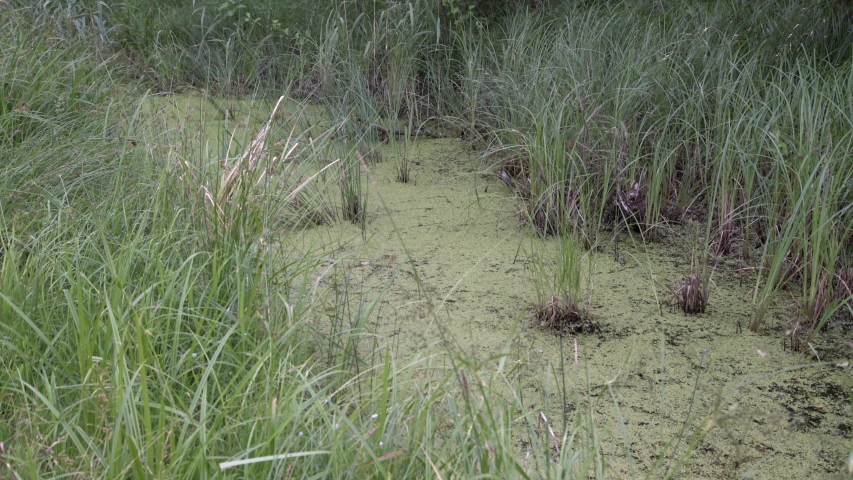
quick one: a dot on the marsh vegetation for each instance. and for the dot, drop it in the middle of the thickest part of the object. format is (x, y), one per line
(425, 239)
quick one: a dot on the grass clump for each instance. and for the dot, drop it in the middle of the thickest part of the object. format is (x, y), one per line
(557, 283)
(692, 293)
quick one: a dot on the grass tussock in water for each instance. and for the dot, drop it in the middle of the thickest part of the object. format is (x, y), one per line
(159, 321)
(557, 282)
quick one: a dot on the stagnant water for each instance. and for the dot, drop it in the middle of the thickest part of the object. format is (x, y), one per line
(468, 284)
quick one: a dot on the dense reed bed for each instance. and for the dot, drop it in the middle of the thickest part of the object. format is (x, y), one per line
(156, 320)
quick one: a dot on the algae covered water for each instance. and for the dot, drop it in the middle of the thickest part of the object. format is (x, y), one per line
(444, 265)
(651, 372)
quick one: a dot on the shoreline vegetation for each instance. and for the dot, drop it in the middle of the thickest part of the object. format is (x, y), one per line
(165, 314)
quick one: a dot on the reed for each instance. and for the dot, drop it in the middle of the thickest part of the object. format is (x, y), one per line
(159, 320)
(805, 209)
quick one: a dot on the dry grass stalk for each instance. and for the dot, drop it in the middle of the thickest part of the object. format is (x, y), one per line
(230, 179)
(727, 223)
(248, 163)
(692, 292)
(403, 170)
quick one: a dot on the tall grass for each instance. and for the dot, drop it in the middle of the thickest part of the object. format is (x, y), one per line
(652, 118)
(158, 320)
(556, 280)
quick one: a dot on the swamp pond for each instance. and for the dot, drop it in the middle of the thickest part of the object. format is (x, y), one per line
(446, 262)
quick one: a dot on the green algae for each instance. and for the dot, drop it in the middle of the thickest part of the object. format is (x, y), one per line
(448, 255)
(445, 261)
